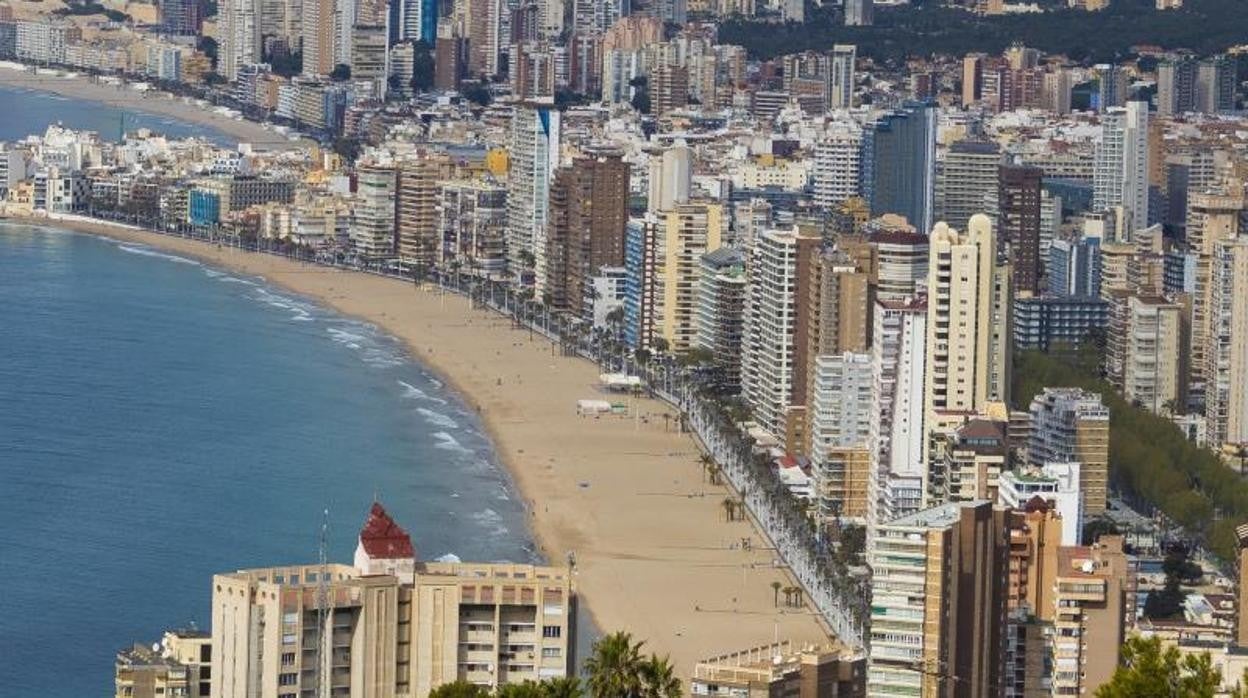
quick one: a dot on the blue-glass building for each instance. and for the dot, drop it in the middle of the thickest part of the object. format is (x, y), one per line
(898, 164)
(1059, 322)
(204, 207)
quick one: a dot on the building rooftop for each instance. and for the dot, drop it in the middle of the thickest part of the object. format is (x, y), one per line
(383, 538)
(936, 517)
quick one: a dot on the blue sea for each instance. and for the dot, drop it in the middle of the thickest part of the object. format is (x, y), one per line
(29, 111)
(161, 421)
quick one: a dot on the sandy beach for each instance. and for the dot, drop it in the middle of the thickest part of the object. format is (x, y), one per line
(654, 553)
(152, 102)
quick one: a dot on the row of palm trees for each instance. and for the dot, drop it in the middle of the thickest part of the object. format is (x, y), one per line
(616, 668)
(792, 594)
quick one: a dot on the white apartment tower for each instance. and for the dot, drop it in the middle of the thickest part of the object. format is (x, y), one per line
(1120, 178)
(240, 36)
(1226, 358)
(372, 227)
(840, 418)
(768, 344)
(898, 358)
(534, 158)
(838, 159)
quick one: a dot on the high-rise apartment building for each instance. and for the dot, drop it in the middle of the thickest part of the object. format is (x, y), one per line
(1074, 267)
(901, 263)
(389, 624)
(180, 16)
(897, 435)
(1069, 425)
(1211, 219)
(641, 262)
(898, 164)
(968, 177)
(588, 213)
(1226, 356)
(1120, 179)
(689, 230)
(534, 156)
(961, 293)
(372, 225)
(1093, 600)
(472, 225)
(840, 431)
(837, 164)
(720, 305)
(841, 76)
(938, 604)
(973, 456)
(1146, 351)
(859, 13)
(1215, 85)
(1111, 86)
(670, 177)
(1176, 85)
(418, 232)
(319, 36)
(1018, 225)
(239, 36)
(772, 327)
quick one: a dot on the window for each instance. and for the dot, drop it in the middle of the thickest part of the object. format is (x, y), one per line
(287, 679)
(288, 658)
(552, 631)
(551, 652)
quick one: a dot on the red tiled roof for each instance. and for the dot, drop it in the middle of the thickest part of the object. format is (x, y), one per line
(382, 538)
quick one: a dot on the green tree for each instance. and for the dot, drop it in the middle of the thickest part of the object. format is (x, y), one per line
(564, 687)
(1145, 670)
(459, 689)
(658, 679)
(527, 689)
(615, 667)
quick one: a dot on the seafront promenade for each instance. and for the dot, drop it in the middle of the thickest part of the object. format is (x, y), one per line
(626, 498)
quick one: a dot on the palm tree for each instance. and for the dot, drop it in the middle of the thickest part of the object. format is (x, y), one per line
(730, 508)
(658, 679)
(615, 667)
(707, 461)
(527, 689)
(775, 593)
(563, 687)
(459, 689)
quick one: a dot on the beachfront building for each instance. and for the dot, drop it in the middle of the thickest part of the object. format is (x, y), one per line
(472, 226)
(389, 624)
(720, 303)
(588, 213)
(898, 357)
(689, 230)
(534, 156)
(782, 669)
(1069, 425)
(772, 327)
(839, 432)
(372, 226)
(416, 208)
(938, 604)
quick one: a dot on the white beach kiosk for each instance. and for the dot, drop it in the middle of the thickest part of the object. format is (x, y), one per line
(619, 382)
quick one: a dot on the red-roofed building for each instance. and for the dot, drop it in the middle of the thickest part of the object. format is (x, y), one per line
(384, 547)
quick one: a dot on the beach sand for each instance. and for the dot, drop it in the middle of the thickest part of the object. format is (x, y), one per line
(152, 102)
(654, 554)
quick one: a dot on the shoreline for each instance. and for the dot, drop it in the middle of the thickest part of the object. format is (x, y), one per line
(154, 102)
(654, 554)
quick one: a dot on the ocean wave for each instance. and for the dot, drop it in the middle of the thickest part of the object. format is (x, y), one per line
(492, 520)
(437, 419)
(149, 252)
(446, 442)
(297, 310)
(411, 392)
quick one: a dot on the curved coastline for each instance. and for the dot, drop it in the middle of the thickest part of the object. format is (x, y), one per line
(154, 102)
(654, 555)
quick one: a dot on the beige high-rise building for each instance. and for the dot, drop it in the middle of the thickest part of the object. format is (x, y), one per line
(1226, 356)
(1211, 218)
(1093, 599)
(690, 230)
(1146, 352)
(372, 225)
(938, 604)
(416, 203)
(389, 625)
(839, 302)
(318, 37)
(960, 287)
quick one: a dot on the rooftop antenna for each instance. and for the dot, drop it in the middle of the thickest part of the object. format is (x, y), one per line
(323, 614)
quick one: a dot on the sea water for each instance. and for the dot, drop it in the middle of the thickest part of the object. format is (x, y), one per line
(162, 421)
